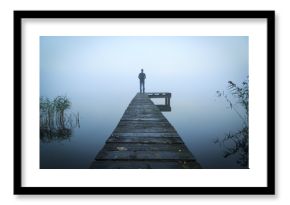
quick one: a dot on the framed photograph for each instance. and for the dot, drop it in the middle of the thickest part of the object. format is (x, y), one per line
(144, 102)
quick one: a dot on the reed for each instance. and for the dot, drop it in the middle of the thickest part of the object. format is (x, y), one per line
(55, 120)
(237, 142)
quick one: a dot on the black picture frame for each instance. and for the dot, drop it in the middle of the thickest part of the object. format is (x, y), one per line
(270, 18)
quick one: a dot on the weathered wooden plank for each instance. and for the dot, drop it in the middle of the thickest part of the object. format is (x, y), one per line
(144, 127)
(144, 155)
(142, 123)
(141, 118)
(143, 112)
(144, 164)
(145, 130)
(146, 140)
(145, 147)
(142, 134)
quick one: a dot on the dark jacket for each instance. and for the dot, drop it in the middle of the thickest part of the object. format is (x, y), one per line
(142, 76)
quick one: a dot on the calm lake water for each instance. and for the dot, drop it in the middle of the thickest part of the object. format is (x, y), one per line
(198, 125)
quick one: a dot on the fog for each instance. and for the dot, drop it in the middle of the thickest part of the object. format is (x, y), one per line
(100, 77)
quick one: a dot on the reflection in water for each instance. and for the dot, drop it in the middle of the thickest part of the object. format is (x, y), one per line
(55, 135)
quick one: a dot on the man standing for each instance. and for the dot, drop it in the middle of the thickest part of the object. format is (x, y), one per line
(142, 77)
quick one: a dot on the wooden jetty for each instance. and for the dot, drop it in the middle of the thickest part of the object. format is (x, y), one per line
(163, 108)
(144, 139)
